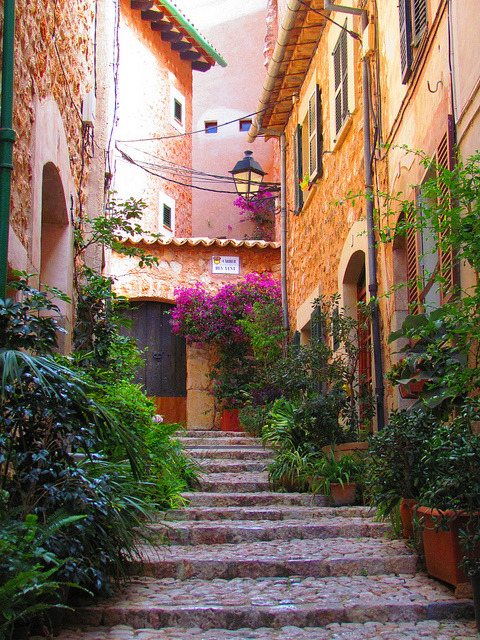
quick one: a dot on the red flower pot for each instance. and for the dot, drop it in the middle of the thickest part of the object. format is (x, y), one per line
(443, 552)
(407, 509)
(230, 421)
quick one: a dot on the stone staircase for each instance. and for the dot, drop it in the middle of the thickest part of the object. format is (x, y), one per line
(241, 562)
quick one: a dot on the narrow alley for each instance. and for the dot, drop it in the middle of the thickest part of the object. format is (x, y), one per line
(239, 562)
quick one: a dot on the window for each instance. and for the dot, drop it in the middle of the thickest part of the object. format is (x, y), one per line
(425, 258)
(167, 216)
(166, 211)
(413, 16)
(308, 145)
(245, 125)
(211, 126)
(340, 74)
(177, 109)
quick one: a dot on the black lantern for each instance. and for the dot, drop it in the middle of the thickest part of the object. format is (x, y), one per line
(248, 176)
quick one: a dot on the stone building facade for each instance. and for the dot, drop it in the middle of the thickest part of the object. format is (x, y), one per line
(185, 262)
(54, 70)
(409, 70)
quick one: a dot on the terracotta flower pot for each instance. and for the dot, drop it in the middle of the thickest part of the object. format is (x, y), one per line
(230, 421)
(407, 509)
(355, 449)
(412, 389)
(443, 552)
(342, 495)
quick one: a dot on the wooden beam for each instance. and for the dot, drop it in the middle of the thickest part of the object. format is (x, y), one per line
(199, 65)
(161, 25)
(190, 55)
(171, 36)
(152, 15)
(141, 4)
(183, 45)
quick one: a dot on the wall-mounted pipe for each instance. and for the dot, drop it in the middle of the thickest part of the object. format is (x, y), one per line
(274, 66)
(7, 137)
(372, 250)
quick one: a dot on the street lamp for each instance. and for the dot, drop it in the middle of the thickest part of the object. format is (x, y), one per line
(248, 176)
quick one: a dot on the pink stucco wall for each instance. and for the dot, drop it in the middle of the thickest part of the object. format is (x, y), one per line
(222, 95)
(148, 71)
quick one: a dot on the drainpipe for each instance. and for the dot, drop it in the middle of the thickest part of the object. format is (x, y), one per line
(372, 251)
(283, 229)
(7, 137)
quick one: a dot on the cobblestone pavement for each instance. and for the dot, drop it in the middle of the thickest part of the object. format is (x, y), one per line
(242, 563)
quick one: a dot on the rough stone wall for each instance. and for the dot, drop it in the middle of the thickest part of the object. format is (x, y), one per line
(40, 25)
(184, 266)
(148, 69)
(316, 236)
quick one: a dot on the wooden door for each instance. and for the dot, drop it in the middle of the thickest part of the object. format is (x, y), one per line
(164, 376)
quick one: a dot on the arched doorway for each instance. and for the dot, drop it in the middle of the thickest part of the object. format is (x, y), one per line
(56, 255)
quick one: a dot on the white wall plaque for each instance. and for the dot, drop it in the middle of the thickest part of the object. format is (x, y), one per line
(226, 264)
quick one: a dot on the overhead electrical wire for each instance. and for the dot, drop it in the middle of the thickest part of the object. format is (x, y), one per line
(159, 171)
(223, 124)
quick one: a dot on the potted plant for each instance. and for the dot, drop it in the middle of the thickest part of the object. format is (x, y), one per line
(337, 479)
(305, 182)
(449, 510)
(395, 473)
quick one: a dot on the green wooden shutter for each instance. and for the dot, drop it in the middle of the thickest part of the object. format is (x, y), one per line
(405, 16)
(446, 254)
(298, 169)
(315, 325)
(315, 134)
(296, 340)
(419, 19)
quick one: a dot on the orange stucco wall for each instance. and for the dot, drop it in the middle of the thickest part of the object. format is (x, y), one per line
(148, 71)
(222, 95)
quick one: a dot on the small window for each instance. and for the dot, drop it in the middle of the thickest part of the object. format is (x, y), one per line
(245, 125)
(177, 111)
(167, 216)
(211, 126)
(340, 70)
(413, 16)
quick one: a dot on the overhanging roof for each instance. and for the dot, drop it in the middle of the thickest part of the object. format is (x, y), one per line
(191, 46)
(297, 42)
(206, 242)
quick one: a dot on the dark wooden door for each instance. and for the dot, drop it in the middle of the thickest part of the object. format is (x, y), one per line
(164, 375)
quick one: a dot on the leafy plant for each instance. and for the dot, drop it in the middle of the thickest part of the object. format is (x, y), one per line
(396, 468)
(328, 470)
(29, 582)
(260, 211)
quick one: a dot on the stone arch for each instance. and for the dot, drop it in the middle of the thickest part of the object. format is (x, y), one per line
(53, 196)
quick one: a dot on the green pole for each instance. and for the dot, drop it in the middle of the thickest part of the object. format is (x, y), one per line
(7, 137)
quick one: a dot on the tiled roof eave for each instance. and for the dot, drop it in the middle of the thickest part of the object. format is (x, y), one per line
(206, 242)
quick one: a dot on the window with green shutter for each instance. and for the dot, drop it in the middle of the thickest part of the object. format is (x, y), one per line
(413, 18)
(340, 72)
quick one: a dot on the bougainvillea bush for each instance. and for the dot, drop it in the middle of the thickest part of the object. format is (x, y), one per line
(231, 321)
(260, 211)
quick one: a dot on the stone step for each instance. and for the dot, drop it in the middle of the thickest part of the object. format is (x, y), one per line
(233, 466)
(275, 603)
(237, 531)
(263, 498)
(276, 512)
(190, 442)
(440, 630)
(233, 482)
(231, 453)
(202, 433)
(318, 558)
